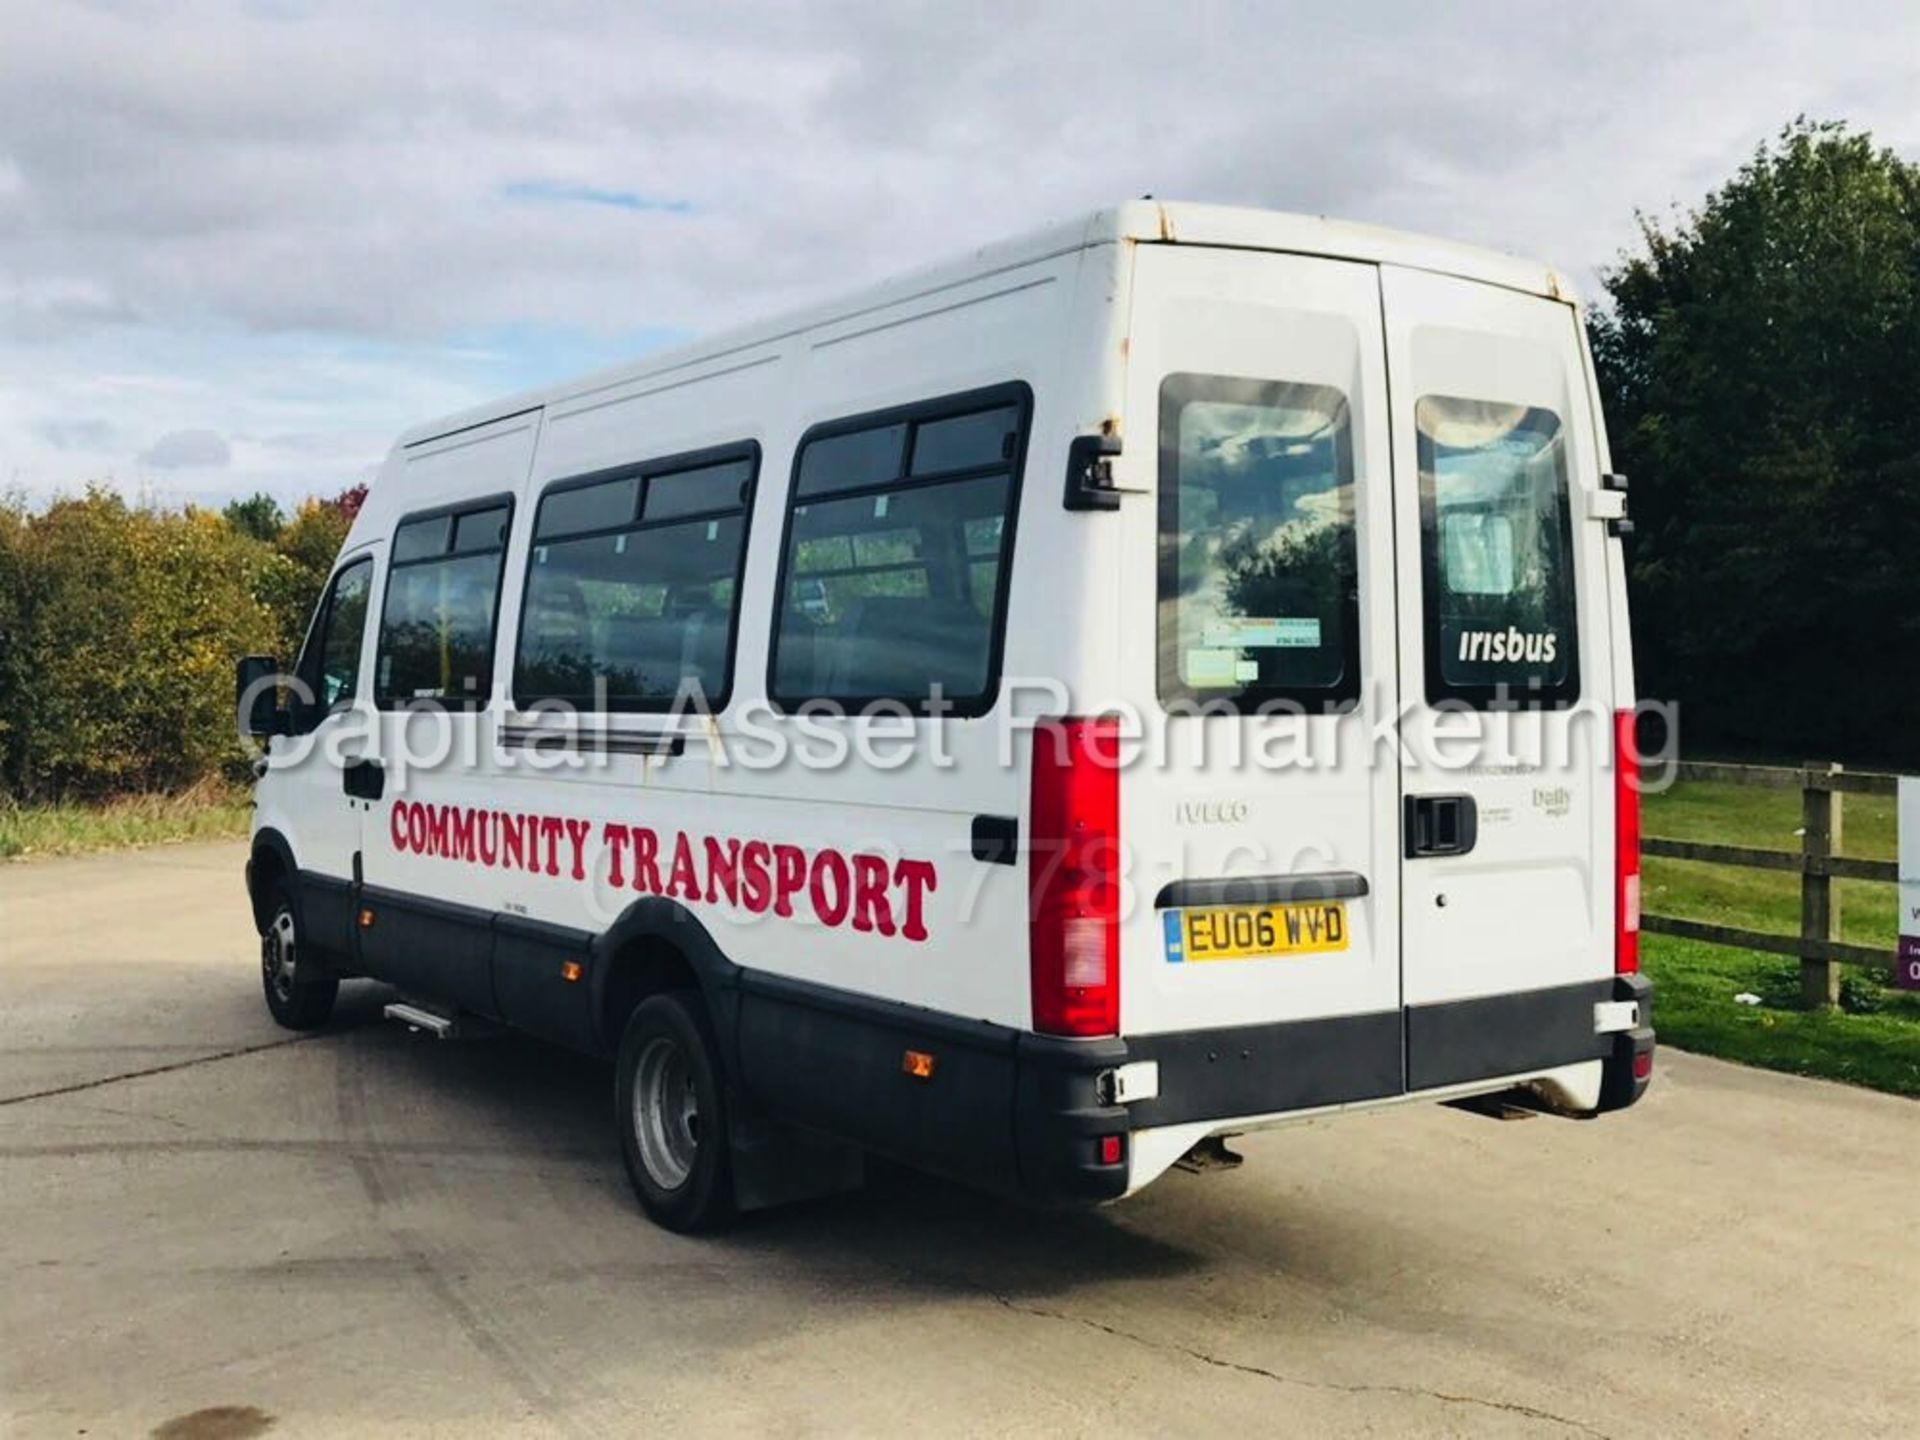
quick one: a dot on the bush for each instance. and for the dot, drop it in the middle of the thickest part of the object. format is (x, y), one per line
(119, 627)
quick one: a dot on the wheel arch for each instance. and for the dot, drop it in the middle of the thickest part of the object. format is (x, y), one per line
(658, 945)
(269, 862)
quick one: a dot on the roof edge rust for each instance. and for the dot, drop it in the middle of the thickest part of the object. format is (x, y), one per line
(1149, 222)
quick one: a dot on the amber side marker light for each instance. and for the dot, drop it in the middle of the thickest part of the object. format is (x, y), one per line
(571, 971)
(918, 1064)
(366, 919)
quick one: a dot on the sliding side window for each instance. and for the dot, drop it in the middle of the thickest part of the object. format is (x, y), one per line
(1259, 601)
(1497, 554)
(894, 576)
(443, 591)
(633, 585)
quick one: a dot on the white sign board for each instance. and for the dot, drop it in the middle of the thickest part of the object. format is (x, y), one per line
(1907, 967)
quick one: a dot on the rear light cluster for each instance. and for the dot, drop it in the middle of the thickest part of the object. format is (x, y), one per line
(1626, 857)
(1073, 877)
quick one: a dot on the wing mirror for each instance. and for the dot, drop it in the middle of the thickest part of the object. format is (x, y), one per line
(256, 697)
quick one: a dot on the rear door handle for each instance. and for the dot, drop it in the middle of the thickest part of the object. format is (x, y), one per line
(1440, 825)
(364, 779)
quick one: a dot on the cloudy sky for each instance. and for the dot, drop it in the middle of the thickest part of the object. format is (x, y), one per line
(242, 244)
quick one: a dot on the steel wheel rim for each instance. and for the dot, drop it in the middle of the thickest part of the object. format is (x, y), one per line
(666, 1113)
(278, 955)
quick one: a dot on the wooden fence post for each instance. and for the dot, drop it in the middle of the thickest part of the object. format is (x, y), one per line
(1819, 816)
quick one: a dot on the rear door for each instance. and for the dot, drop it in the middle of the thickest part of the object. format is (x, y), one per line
(1258, 634)
(1504, 656)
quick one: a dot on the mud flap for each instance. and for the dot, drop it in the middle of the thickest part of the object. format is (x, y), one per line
(777, 1164)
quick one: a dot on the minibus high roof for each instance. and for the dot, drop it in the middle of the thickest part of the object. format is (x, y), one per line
(1148, 222)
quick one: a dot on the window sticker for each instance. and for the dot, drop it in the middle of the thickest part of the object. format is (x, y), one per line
(1211, 668)
(1246, 632)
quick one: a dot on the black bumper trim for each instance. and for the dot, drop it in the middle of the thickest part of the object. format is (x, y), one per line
(1263, 1069)
(1492, 1035)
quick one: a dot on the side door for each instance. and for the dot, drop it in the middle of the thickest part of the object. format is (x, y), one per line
(427, 922)
(1506, 663)
(1258, 628)
(322, 764)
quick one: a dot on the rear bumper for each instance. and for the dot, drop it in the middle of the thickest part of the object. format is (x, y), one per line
(1023, 1113)
(1219, 1075)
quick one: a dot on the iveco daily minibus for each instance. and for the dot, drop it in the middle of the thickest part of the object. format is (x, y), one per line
(1148, 681)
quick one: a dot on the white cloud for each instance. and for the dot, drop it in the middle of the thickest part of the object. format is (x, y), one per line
(188, 450)
(286, 220)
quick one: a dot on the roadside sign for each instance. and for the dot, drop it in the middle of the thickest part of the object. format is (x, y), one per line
(1906, 969)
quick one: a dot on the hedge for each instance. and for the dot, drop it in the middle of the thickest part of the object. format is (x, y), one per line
(119, 626)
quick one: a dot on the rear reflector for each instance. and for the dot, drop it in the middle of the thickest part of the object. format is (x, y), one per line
(1626, 853)
(1643, 1065)
(1073, 878)
(1112, 1149)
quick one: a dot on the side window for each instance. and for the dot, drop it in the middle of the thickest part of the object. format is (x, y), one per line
(436, 628)
(1258, 592)
(899, 534)
(633, 585)
(1496, 554)
(330, 665)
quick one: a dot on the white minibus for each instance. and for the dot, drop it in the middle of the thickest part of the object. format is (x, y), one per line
(1148, 681)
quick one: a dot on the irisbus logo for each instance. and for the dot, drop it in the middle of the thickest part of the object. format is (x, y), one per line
(1510, 646)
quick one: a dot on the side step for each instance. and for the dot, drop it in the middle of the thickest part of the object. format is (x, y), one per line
(417, 1017)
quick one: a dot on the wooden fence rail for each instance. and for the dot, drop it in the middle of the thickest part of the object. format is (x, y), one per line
(1822, 788)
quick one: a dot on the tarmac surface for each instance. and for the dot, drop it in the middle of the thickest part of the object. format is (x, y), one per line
(210, 1229)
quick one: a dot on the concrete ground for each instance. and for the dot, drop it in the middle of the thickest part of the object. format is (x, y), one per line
(211, 1229)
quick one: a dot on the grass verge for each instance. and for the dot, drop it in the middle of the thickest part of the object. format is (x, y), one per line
(1873, 1039)
(206, 812)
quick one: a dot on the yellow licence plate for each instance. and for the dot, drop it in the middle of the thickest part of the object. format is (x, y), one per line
(1251, 932)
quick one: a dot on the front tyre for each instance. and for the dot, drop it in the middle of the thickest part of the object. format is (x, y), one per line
(672, 1114)
(299, 994)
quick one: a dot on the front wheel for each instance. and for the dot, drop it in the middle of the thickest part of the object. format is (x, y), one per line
(299, 997)
(672, 1114)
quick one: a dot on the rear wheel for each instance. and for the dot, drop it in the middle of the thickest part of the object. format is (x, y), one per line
(299, 994)
(672, 1113)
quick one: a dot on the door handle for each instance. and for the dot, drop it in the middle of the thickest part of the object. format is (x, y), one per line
(364, 779)
(1440, 825)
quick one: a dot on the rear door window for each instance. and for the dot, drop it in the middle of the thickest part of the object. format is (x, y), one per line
(1497, 554)
(1258, 592)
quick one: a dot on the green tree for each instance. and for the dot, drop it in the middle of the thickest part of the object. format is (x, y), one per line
(259, 515)
(308, 546)
(1760, 359)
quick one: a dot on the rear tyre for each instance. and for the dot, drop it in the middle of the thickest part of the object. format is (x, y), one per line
(672, 1114)
(299, 994)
